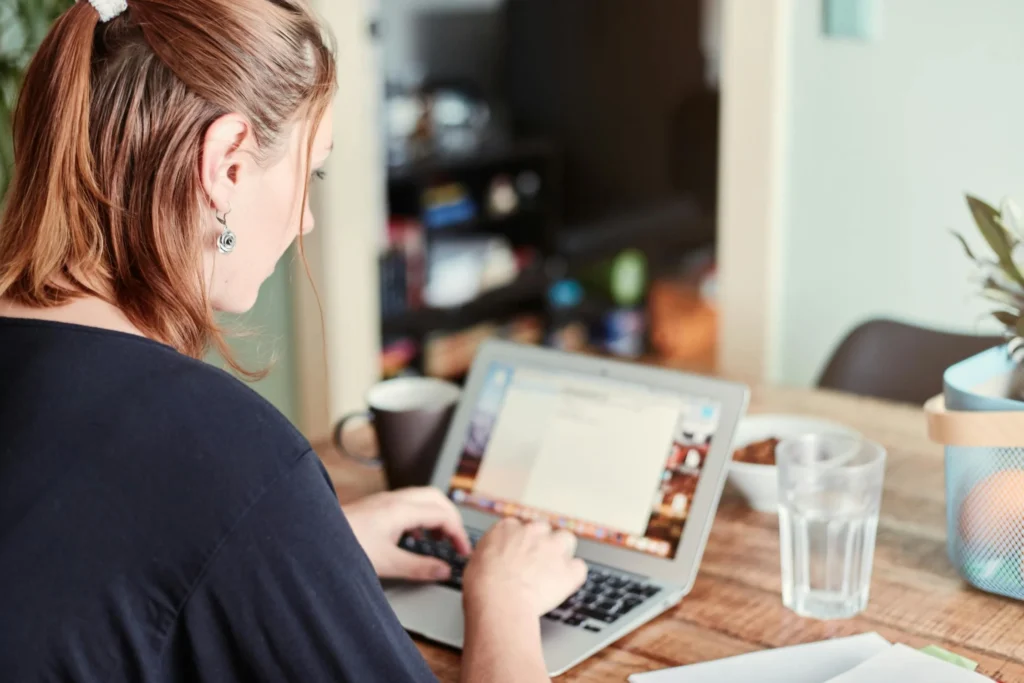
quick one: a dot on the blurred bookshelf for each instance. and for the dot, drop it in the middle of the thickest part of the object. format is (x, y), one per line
(585, 287)
(551, 180)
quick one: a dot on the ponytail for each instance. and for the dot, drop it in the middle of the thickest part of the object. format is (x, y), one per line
(51, 244)
(107, 198)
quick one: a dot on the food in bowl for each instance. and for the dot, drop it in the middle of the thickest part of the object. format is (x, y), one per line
(752, 472)
(757, 453)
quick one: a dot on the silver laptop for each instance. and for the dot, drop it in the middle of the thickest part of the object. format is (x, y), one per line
(631, 459)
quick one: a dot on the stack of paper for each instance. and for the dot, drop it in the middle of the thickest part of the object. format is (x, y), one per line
(867, 658)
(900, 663)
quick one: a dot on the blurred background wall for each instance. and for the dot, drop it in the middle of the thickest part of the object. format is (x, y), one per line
(884, 136)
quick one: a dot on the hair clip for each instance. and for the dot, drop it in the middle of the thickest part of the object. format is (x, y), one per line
(109, 9)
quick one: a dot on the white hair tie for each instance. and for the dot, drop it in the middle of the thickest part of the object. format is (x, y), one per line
(109, 9)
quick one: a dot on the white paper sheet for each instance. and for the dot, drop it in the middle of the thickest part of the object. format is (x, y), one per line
(808, 663)
(900, 663)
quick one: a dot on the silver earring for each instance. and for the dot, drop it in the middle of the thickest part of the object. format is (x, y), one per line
(228, 239)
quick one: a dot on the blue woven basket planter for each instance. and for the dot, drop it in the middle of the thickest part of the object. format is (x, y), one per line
(984, 436)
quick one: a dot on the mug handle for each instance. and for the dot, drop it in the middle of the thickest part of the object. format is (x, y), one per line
(338, 438)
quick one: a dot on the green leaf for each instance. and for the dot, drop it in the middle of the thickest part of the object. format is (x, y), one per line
(1001, 296)
(997, 236)
(963, 243)
(1011, 320)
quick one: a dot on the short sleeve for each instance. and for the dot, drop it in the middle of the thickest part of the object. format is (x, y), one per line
(290, 596)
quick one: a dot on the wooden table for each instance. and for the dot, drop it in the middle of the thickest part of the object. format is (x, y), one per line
(917, 597)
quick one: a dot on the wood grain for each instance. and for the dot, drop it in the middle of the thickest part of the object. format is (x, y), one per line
(917, 597)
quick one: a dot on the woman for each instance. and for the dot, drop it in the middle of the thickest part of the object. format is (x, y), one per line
(158, 521)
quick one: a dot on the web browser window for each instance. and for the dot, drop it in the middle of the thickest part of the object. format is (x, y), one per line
(612, 461)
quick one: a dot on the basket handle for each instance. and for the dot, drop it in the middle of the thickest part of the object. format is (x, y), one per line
(996, 429)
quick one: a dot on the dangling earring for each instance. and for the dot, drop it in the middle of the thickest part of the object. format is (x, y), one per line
(227, 240)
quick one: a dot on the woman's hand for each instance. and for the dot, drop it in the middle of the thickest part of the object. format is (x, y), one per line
(517, 573)
(525, 565)
(379, 522)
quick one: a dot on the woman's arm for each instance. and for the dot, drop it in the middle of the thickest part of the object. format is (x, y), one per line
(503, 644)
(518, 573)
(290, 596)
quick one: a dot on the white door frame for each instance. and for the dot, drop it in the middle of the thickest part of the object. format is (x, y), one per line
(755, 74)
(351, 213)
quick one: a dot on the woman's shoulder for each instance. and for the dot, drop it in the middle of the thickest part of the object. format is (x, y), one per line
(204, 433)
(215, 418)
(145, 400)
(218, 405)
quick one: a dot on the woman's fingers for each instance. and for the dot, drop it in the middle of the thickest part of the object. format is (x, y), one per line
(413, 567)
(569, 540)
(437, 513)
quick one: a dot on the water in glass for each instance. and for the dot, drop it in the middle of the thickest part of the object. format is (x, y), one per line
(828, 514)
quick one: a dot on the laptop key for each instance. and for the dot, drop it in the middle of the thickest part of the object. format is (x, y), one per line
(591, 627)
(651, 591)
(614, 595)
(456, 577)
(573, 620)
(597, 614)
(607, 606)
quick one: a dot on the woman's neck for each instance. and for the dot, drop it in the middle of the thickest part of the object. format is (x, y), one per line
(88, 311)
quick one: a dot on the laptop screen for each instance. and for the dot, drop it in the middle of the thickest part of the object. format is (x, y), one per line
(613, 462)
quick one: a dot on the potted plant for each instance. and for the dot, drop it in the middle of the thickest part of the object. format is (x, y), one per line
(1002, 279)
(980, 420)
(23, 25)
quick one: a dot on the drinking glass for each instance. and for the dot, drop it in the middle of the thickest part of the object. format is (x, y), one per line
(830, 491)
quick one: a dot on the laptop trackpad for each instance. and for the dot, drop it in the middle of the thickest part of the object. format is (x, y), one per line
(434, 612)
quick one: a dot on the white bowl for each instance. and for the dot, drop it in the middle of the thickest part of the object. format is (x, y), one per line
(759, 484)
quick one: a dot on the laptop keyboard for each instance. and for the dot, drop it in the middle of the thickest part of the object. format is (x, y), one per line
(606, 596)
(422, 544)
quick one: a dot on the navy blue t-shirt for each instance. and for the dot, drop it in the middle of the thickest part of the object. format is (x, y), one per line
(159, 521)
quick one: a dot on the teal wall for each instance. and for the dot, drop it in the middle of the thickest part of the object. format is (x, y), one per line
(884, 137)
(268, 336)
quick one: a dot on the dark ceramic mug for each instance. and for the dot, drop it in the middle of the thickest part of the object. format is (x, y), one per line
(411, 416)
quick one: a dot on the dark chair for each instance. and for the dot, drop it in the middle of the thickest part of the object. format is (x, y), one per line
(899, 362)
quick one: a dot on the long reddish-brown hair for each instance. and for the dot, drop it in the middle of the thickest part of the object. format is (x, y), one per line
(106, 198)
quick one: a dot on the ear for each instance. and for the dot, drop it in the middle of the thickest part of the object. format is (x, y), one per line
(223, 162)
